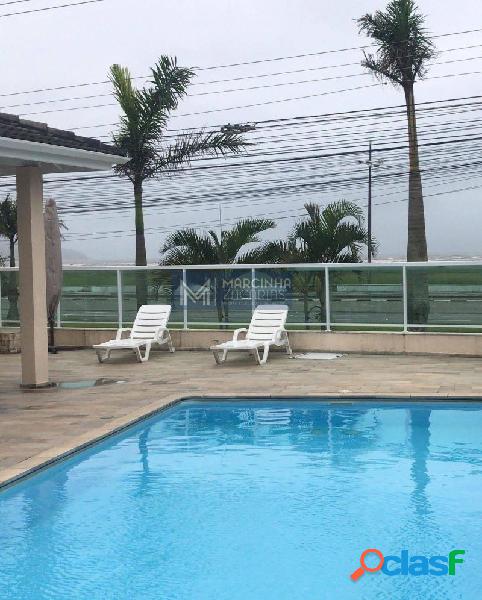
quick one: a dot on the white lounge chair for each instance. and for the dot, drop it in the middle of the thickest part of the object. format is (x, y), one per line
(150, 327)
(266, 329)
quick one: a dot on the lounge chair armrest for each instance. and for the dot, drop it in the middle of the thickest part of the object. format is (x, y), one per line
(237, 332)
(119, 333)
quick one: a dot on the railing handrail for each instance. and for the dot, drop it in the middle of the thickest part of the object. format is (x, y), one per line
(249, 266)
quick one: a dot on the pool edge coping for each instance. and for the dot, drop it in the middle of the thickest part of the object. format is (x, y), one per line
(28, 467)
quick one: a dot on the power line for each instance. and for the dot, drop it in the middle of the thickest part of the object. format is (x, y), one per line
(213, 110)
(275, 59)
(113, 200)
(36, 10)
(332, 116)
(243, 165)
(256, 104)
(232, 164)
(292, 186)
(14, 2)
(224, 91)
(196, 224)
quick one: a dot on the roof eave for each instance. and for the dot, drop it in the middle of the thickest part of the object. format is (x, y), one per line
(17, 153)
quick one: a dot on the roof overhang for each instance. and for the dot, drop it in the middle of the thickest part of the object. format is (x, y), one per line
(52, 159)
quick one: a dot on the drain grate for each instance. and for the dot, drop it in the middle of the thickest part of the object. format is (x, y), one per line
(87, 383)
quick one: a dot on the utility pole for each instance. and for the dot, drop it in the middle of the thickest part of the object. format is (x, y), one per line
(220, 221)
(371, 163)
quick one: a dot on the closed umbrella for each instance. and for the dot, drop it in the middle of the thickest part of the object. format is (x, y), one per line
(53, 261)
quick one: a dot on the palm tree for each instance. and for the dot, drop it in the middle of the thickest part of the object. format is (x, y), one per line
(8, 229)
(188, 247)
(334, 234)
(145, 113)
(403, 51)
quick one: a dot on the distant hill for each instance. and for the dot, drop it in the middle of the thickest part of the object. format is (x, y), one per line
(74, 257)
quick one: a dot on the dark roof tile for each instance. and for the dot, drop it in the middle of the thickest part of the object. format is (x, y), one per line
(11, 126)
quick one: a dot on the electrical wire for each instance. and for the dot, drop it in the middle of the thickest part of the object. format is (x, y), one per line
(37, 10)
(232, 65)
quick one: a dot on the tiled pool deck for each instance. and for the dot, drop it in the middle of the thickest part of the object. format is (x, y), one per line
(38, 427)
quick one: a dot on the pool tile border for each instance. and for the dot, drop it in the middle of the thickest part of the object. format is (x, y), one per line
(30, 466)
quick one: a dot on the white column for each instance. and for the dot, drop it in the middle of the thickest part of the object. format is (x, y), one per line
(184, 297)
(120, 310)
(327, 300)
(31, 251)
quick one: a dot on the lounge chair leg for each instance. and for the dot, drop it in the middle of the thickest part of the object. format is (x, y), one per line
(256, 356)
(144, 358)
(265, 354)
(289, 351)
(218, 360)
(103, 356)
(169, 342)
(147, 351)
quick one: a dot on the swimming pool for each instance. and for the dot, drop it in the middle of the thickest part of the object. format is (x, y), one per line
(254, 500)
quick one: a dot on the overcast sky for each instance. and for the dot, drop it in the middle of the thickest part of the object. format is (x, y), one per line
(78, 44)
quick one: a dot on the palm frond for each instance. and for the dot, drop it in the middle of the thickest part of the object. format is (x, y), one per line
(8, 218)
(243, 233)
(404, 46)
(170, 83)
(187, 247)
(188, 145)
(335, 233)
(124, 92)
(146, 112)
(275, 251)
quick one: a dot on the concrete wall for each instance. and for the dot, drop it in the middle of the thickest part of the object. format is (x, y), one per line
(361, 342)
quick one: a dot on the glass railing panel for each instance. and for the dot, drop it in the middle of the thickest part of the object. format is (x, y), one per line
(302, 290)
(366, 296)
(445, 296)
(89, 299)
(153, 286)
(218, 297)
(9, 301)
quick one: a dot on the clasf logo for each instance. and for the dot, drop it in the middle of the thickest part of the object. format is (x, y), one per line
(404, 564)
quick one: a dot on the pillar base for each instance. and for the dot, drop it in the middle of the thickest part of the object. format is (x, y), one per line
(37, 386)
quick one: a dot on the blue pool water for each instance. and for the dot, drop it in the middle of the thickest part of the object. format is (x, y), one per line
(253, 501)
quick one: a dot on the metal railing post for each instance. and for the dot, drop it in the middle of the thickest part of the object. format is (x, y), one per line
(253, 289)
(120, 311)
(184, 296)
(405, 299)
(327, 300)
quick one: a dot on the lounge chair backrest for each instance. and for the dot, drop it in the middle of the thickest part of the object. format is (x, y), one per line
(149, 318)
(266, 320)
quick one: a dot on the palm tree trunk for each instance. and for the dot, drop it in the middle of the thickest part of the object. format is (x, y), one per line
(417, 242)
(305, 309)
(12, 292)
(12, 251)
(418, 294)
(219, 299)
(141, 261)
